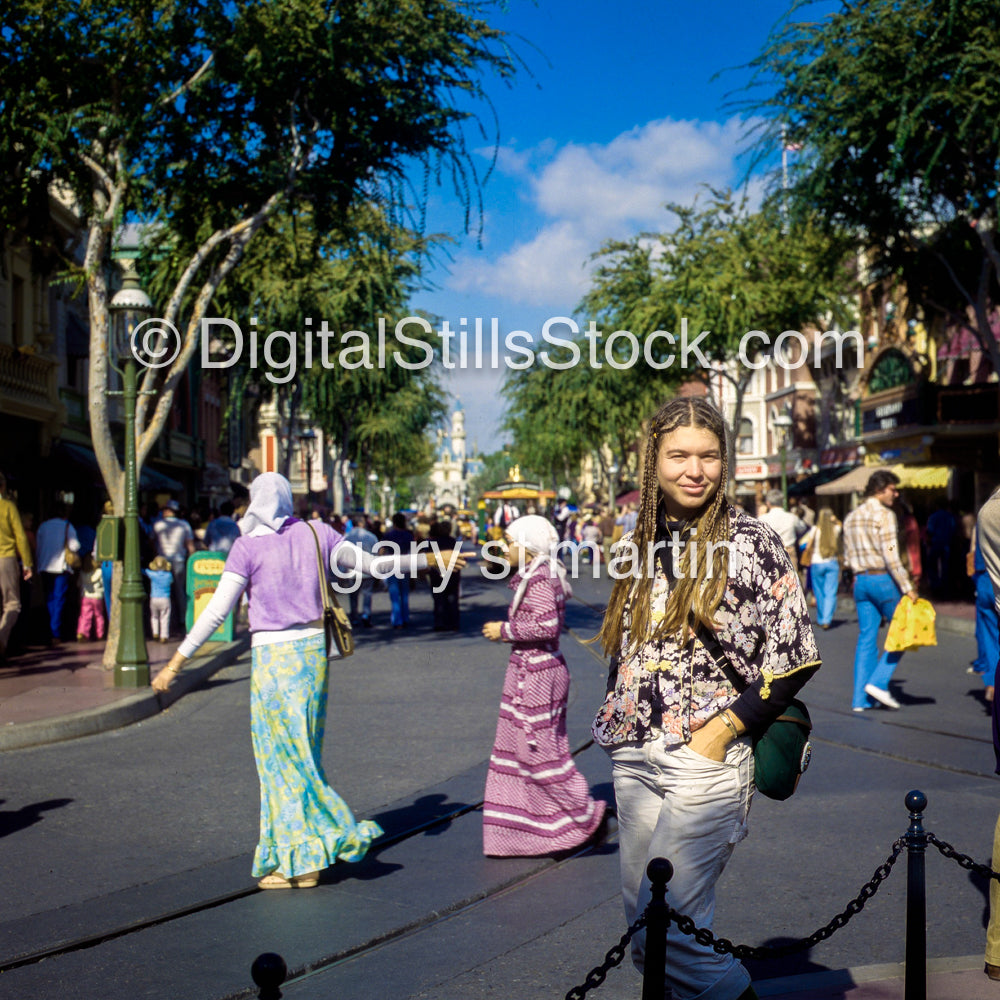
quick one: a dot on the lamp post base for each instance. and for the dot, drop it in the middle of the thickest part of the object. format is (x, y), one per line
(132, 663)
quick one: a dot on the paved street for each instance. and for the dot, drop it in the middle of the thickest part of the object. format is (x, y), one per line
(118, 841)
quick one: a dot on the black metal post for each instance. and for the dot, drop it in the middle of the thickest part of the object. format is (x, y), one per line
(915, 972)
(654, 970)
(269, 971)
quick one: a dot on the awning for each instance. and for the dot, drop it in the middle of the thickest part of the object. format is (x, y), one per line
(923, 477)
(84, 458)
(854, 481)
(154, 481)
(631, 497)
(806, 487)
(911, 477)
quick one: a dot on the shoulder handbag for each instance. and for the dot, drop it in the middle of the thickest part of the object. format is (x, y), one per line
(782, 752)
(73, 560)
(807, 553)
(336, 624)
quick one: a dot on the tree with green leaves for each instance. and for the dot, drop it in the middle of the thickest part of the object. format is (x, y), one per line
(559, 416)
(495, 469)
(205, 118)
(725, 270)
(894, 109)
(294, 279)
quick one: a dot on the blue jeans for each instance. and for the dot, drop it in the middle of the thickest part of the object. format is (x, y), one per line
(107, 568)
(987, 629)
(399, 596)
(825, 582)
(876, 596)
(56, 588)
(675, 804)
(362, 595)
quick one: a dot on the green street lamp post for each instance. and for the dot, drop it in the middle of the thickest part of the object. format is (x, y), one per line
(128, 308)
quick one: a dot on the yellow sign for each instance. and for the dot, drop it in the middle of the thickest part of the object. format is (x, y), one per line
(209, 567)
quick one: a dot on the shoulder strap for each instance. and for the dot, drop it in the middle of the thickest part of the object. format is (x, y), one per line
(715, 650)
(324, 590)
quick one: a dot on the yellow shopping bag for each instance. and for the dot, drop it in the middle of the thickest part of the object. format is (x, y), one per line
(912, 626)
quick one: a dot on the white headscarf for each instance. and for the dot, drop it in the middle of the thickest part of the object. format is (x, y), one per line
(270, 503)
(538, 536)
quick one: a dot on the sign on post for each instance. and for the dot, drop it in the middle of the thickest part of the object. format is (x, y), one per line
(204, 570)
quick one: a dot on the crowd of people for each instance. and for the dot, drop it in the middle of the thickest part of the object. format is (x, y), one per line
(55, 588)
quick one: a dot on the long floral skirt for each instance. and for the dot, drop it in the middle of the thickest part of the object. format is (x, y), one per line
(305, 825)
(536, 801)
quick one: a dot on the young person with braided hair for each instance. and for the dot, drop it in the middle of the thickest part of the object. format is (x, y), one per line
(694, 570)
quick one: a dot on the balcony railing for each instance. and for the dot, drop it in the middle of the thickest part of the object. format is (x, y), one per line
(25, 376)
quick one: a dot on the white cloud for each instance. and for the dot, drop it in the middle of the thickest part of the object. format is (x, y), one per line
(584, 194)
(548, 269)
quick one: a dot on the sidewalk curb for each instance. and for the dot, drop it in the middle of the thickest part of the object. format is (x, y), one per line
(123, 712)
(832, 979)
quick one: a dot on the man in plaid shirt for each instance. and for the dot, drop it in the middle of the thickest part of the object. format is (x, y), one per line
(872, 551)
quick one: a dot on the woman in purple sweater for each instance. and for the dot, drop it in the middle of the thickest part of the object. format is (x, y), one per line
(305, 826)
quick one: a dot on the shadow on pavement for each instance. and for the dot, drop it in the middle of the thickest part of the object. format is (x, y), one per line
(20, 819)
(423, 811)
(979, 694)
(799, 964)
(367, 870)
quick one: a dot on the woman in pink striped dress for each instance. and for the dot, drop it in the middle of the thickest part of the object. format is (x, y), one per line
(536, 801)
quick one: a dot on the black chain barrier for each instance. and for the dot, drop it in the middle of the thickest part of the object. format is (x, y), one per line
(963, 860)
(743, 951)
(702, 935)
(612, 959)
(914, 841)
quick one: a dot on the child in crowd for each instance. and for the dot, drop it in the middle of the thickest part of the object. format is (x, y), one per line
(91, 601)
(160, 579)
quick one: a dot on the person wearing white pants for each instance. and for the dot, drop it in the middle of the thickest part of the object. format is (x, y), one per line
(675, 804)
(697, 583)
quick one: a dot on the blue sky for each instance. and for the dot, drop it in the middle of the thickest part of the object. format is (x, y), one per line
(623, 110)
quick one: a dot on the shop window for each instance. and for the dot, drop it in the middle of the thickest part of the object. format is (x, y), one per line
(744, 440)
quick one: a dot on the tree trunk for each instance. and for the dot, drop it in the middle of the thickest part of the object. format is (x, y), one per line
(114, 619)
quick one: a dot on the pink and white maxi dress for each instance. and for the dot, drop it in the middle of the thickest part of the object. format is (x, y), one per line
(536, 801)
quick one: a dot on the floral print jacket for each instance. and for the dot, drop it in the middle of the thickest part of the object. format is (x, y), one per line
(763, 628)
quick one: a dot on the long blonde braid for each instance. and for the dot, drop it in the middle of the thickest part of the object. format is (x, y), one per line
(695, 598)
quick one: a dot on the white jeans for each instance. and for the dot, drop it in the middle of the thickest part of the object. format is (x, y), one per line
(675, 804)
